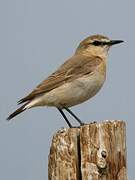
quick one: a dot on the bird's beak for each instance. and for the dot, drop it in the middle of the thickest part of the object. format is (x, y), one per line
(112, 42)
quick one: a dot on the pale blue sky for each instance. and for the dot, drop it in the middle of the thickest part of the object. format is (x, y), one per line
(35, 38)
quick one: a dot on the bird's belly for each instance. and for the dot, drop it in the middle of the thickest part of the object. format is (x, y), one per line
(75, 92)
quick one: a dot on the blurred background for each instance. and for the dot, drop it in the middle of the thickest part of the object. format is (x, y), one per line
(35, 38)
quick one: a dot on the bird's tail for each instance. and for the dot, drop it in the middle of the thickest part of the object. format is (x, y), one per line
(18, 111)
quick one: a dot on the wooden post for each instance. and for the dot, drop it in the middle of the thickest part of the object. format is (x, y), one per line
(92, 152)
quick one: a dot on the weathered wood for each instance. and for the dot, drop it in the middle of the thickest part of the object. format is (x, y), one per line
(92, 152)
(63, 158)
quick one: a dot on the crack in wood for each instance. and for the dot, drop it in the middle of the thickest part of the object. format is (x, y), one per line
(79, 158)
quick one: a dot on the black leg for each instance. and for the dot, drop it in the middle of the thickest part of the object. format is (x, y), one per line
(64, 116)
(81, 123)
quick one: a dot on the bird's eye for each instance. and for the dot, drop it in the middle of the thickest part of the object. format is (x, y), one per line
(96, 43)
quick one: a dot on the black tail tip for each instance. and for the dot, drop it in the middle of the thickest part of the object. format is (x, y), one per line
(9, 118)
(15, 113)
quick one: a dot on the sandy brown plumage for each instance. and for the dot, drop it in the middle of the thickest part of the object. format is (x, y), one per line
(76, 81)
(72, 69)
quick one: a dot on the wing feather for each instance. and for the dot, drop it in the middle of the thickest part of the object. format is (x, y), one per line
(73, 68)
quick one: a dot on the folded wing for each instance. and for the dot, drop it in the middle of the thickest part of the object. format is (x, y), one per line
(72, 69)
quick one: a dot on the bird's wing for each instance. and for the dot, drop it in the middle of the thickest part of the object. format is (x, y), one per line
(73, 68)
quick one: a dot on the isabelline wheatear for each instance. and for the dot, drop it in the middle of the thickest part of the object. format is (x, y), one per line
(75, 81)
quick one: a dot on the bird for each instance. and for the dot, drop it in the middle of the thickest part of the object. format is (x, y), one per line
(75, 81)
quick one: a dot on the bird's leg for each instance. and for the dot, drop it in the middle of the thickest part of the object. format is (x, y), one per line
(81, 123)
(64, 116)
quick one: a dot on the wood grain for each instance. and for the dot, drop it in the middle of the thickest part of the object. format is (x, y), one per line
(96, 151)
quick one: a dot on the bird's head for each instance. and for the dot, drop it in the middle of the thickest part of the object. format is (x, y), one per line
(96, 45)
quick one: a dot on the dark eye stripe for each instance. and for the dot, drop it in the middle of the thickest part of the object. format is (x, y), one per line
(99, 43)
(96, 43)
